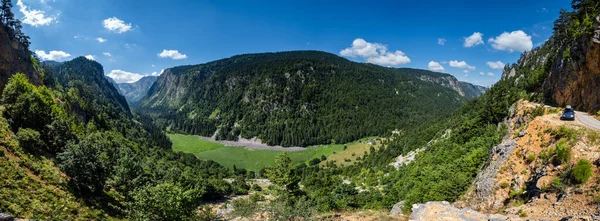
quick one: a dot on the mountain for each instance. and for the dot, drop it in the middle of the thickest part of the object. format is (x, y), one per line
(135, 91)
(72, 149)
(298, 98)
(465, 89)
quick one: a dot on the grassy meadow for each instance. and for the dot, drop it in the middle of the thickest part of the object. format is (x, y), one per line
(250, 159)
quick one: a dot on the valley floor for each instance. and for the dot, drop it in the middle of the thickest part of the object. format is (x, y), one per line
(255, 159)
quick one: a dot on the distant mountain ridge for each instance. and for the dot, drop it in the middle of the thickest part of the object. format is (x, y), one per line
(299, 98)
(135, 91)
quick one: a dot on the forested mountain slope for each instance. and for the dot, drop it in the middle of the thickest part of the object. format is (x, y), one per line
(453, 150)
(135, 91)
(298, 98)
(71, 149)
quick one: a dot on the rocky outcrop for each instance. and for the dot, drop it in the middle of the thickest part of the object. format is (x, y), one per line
(6, 217)
(444, 211)
(574, 78)
(397, 209)
(15, 58)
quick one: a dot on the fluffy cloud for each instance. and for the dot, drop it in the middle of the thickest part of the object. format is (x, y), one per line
(52, 55)
(481, 73)
(173, 54)
(116, 25)
(107, 54)
(490, 74)
(101, 40)
(474, 40)
(434, 66)
(441, 41)
(461, 65)
(123, 76)
(34, 17)
(495, 64)
(514, 41)
(375, 53)
(90, 57)
(465, 71)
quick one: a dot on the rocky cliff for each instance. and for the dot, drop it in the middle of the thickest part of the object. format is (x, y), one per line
(567, 65)
(135, 91)
(15, 58)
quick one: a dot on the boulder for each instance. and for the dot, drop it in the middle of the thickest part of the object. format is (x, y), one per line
(397, 209)
(6, 217)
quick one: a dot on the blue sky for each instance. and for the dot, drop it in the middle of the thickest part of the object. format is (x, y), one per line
(143, 37)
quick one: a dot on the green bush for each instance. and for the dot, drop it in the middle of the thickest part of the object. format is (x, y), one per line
(563, 152)
(530, 157)
(29, 139)
(582, 171)
(164, 202)
(538, 111)
(243, 207)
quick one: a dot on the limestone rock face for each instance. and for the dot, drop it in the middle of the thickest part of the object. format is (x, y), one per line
(14, 58)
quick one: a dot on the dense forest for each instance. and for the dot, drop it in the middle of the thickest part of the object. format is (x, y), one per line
(297, 98)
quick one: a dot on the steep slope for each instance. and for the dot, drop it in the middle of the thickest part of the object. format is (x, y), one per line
(296, 98)
(16, 58)
(135, 91)
(465, 89)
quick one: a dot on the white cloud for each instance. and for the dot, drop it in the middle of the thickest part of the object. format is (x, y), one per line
(157, 73)
(116, 25)
(481, 73)
(375, 53)
(514, 41)
(490, 74)
(441, 41)
(34, 17)
(153, 65)
(107, 54)
(173, 54)
(474, 40)
(90, 57)
(76, 37)
(495, 64)
(123, 76)
(101, 40)
(52, 55)
(461, 65)
(465, 71)
(434, 66)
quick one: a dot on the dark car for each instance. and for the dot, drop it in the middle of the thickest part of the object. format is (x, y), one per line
(568, 113)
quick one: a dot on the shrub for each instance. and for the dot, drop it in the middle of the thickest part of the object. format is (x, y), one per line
(256, 187)
(243, 207)
(563, 152)
(557, 185)
(582, 171)
(538, 111)
(29, 139)
(205, 213)
(504, 185)
(530, 158)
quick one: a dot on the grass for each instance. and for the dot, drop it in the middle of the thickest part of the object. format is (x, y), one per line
(353, 151)
(192, 144)
(255, 160)
(241, 157)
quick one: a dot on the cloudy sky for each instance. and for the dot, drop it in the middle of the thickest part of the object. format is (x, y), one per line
(471, 40)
